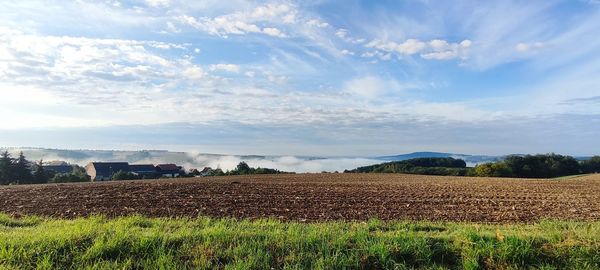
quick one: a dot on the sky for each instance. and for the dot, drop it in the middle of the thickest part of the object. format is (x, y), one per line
(316, 77)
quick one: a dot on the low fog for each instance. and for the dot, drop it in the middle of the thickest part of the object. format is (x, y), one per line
(199, 160)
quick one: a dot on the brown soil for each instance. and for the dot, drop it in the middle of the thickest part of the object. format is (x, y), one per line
(311, 197)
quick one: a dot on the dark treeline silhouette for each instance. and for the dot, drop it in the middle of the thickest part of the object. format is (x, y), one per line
(528, 166)
(538, 166)
(19, 170)
(242, 169)
(427, 166)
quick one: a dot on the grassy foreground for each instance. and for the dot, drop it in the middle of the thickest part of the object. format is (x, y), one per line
(204, 243)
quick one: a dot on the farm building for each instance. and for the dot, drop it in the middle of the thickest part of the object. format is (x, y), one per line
(169, 170)
(207, 171)
(103, 171)
(147, 170)
(58, 167)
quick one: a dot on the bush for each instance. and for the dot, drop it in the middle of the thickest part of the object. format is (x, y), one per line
(70, 178)
(123, 175)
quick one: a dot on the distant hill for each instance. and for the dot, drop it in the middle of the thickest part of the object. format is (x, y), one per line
(471, 160)
(421, 165)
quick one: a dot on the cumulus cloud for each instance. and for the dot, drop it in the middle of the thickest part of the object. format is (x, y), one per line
(435, 49)
(274, 32)
(317, 23)
(113, 82)
(262, 19)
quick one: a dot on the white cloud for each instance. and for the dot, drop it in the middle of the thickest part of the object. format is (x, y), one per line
(261, 19)
(274, 32)
(368, 87)
(171, 28)
(347, 52)
(435, 49)
(442, 50)
(341, 33)
(317, 23)
(158, 3)
(410, 46)
(226, 67)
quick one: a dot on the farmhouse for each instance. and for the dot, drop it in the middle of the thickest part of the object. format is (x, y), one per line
(144, 170)
(168, 170)
(103, 171)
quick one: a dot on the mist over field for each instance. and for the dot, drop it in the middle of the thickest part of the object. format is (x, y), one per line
(189, 160)
(199, 160)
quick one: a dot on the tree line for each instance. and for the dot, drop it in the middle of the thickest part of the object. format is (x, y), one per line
(527, 166)
(538, 166)
(241, 169)
(426, 166)
(19, 170)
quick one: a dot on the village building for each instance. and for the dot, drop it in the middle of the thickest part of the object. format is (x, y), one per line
(169, 170)
(58, 167)
(104, 171)
(143, 170)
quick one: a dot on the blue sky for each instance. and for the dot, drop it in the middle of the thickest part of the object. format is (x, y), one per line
(302, 77)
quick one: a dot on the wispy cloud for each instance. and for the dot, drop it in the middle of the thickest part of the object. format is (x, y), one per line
(462, 64)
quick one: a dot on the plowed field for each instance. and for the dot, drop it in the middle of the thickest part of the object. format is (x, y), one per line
(317, 197)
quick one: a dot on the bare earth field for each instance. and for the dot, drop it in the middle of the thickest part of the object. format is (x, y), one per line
(318, 197)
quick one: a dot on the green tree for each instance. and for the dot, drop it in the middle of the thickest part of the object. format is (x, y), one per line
(243, 168)
(22, 170)
(497, 169)
(70, 177)
(6, 168)
(591, 165)
(123, 175)
(39, 173)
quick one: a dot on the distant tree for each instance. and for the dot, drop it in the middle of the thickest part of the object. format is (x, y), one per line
(70, 177)
(123, 175)
(6, 168)
(242, 168)
(591, 165)
(40, 175)
(194, 172)
(22, 170)
(542, 166)
(497, 169)
(217, 172)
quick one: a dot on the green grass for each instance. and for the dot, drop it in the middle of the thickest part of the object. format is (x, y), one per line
(204, 243)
